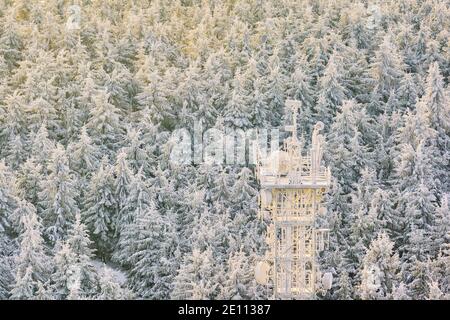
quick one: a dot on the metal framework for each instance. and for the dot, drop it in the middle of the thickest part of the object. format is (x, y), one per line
(292, 188)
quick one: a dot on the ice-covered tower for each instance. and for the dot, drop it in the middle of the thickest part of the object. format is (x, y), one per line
(292, 188)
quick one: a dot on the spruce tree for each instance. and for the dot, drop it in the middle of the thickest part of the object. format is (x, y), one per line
(84, 154)
(80, 244)
(195, 278)
(29, 176)
(110, 289)
(123, 178)
(58, 196)
(104, 123)
(31, 262)
(8, 192)
(380, 269)
(100, 209)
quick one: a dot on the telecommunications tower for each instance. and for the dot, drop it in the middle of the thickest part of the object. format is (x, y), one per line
(292, 188)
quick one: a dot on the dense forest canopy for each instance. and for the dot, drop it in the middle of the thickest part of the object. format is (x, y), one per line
(91, 91)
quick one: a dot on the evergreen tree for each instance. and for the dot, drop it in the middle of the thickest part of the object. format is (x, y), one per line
(23, 209)
(440, 231)
(419, 278)
(349, 154)
(433, 110)
(58, 196)
(345, 287)
(31, 262)
(274, 91)
(123, 177)
(300, 89)
(400, 292)
(25, 286)
(29, 176)
(379, 272)
(84, 154)
(366, 223)
(63, 262)
(7, 195)
(435, 292)
(110, 289)
(190, 207)
(13, 122)
(80, 244)
(236, 113)
(138, 200)
(41, 111)
(74, 275)
(149, 258)
(136, 154)
(104, 122)
(7, 264)
(408, 92)
(41, 146)
(42, 292)
(332, 92)
(100, 211)
(387, 68)
(195, 278)
(239, 281)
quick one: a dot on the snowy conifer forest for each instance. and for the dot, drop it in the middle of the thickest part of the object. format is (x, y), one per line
(91, 207)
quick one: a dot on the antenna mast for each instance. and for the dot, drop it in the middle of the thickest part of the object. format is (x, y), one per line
(291, 193)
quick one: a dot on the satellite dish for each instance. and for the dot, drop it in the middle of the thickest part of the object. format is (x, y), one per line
(319, 125)
(262, 272)
(327, 280)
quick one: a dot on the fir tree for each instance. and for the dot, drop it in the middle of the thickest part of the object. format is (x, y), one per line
(31, 262)
(8, 198)
(150, 273)
(195, 278)
(387, 68)
(236, 112)
(104, 122)
(84, 154)
(58, 196)
(7, 264)
(80, 244)
(100, 211)
(123, 177)
(239, 282)
(41, 146)
(110, 289)
(136, 154)
(332, 93)
(379, 269)
(29, 176)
